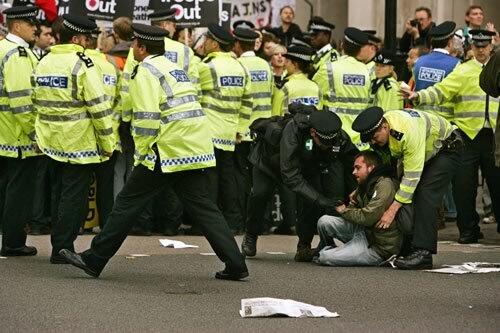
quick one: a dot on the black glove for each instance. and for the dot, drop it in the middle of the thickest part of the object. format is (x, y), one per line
(327, 203)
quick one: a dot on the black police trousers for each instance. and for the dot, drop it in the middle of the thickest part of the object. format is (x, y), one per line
(477, 153)
(261, 195)
(42, 194)
(142, 186)
(224, 190)
(105, 179)
(71, 195)
(437, 174)
(243, 176)
(17, 182)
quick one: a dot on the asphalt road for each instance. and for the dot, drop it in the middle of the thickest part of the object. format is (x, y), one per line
(174, 291)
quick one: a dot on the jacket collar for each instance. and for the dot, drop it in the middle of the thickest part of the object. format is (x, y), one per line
(17, 40)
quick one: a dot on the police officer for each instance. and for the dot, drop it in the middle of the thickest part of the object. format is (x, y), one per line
(376, 44)
(297, 87)
(73, 125)
(321, 36)
(227, 101)
(475, 114)
(243, 24)
(345, 83)
(174, 149)
(17, 137)
(385, 88)
(261, 76)
(435, 66)
(104, 172)
(428, 146)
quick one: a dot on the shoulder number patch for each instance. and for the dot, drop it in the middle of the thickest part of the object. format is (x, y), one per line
(86, 60)
(22, 51)
(396, 135)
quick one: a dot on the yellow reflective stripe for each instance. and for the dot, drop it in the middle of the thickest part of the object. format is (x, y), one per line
(69, 117)
(261, 95)
(329, 72)
(286, 99)
(173, 102)
(261, 108)
(475, 114)
(352, 112)
(246, 103)
(22, 109)
(245, 116)
(161, 78)
(412, 174)
(74, 79)
(409, 182)
(97, 100)
(436, 108)
(2, 65)
(472, 98)
(217, 95)
(404, 194)
(349, 99)
(186, 58)
(428, 124)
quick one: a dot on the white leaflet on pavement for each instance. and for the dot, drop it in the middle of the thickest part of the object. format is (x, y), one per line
(270, 307)
(276, 253)
(208, 254)
(176, 244)
(468, 267)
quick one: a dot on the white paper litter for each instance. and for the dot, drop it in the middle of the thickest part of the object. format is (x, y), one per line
(208, 254)
(139, 255)
(269, 307)
(468, 267)
(176, 244)
(276, 253)
(3, 257)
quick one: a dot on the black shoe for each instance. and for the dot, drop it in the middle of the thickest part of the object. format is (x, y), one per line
(418, 259)
(57, 259)
(76, 260)
(18, 252)
(137, 231)
(228, 275)
(470, 238)
(38, 231)
(249, 245)
(304, 253)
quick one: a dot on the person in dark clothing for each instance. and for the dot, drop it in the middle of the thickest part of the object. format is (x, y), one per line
(314, 160)
(288, 29)
(417, 30)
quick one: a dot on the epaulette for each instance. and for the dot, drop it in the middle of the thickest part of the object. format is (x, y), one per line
(88, 62)
(396, 135)
(22, 51)
(207, 59)
(387, 85)
(333, 57)
(281, 83)
(134, 72)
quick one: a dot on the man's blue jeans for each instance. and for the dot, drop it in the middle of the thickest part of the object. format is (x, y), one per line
(354, 252)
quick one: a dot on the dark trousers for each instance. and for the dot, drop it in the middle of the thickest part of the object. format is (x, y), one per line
(71, 194)
(261, 194)
(243, 173)
(167, 210)
(224, 190)
(42, 194)
(428, 196)
(142, 186)
(477, 153)
(17, 181)
(104, 175)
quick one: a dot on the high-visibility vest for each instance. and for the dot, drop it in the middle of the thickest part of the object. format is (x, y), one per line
(297, 89)
(17, 115)
(326, 54)
(470, 102)
(226, 97)
(167, 115)
(73, 121)
(262, 78)
(346, 88)
(415, 137)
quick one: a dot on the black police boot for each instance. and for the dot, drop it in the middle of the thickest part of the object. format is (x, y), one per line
(418, 259)
(470, 238)
(304, 253)
(249, 245)
(22, 251)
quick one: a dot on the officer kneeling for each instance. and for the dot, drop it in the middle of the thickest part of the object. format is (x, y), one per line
(173, 149)
(429, 147)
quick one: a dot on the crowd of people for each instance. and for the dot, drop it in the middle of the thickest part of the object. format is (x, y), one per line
(198, 133)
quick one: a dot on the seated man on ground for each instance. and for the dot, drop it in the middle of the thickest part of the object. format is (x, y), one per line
(366, 243)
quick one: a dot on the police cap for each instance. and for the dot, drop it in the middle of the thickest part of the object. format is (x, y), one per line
(299, 53)
(79, 24)
(370, 32)
(356, 36)
(243, 24)
(299, 41)
(149, 33)
(443, 31)
(163, 15)
(386, 57)
(318, 24)
(372, 39)
(367, 122)
(245, 35)
(219, 34)
(27, 13)
(327, 125)
(481, 38)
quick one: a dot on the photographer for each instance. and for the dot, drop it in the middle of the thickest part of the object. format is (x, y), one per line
(417, 30)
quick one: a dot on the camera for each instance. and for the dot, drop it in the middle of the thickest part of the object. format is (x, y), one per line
(414, 22)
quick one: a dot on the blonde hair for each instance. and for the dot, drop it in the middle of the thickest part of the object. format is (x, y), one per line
(278, 49)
